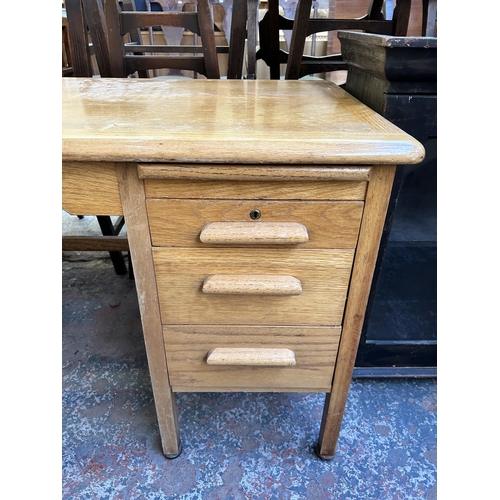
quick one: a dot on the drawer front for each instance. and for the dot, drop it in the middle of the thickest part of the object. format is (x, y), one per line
(187, 347)
(178, 223)
(318, 280)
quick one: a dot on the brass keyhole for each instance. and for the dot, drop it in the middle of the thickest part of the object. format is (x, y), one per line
(255, 214)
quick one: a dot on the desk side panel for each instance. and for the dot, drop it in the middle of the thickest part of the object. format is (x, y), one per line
(90, 188)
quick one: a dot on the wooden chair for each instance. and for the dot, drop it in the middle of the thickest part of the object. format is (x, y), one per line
(127, 56)
(83, 48)
(298, 64)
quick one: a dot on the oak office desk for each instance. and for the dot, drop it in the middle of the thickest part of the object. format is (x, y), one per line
(254, 211)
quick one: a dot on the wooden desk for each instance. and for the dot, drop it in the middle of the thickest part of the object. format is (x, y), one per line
(254, 211)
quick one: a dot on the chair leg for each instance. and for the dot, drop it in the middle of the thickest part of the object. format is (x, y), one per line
(274, 41)
(237, 40)
(107, 229)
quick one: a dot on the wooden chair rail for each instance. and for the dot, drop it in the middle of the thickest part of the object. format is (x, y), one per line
(95, 243)
(141, 49)
(364, 24)
(144, 62)
(133, 20)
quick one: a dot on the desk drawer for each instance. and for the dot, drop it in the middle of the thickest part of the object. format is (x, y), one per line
(178, 223)
(318, 282)
(315, 351)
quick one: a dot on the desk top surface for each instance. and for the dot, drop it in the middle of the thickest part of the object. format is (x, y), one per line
(226, 121)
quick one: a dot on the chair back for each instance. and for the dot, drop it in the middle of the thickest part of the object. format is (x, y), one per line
(79, 42)
(302, 26)
(128, 56)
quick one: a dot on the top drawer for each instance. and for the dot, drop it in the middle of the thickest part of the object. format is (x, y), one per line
(179, 223)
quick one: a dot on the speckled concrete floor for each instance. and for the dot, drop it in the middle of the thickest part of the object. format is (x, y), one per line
(235, 445)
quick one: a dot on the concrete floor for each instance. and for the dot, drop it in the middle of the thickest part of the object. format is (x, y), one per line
(235, 445)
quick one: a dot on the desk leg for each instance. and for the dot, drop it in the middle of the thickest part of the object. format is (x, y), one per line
(376, 203)
(134, 210)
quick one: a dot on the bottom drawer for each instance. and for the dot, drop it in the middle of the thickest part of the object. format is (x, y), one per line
(187, 347)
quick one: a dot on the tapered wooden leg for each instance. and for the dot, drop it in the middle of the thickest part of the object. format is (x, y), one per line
(134, 209)
(376, 203)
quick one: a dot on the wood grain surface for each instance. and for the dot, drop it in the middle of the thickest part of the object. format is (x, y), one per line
(251, 284)
(377, 200)
(254, 233)
(179, 222)
(134, 208)
(277, 189)
(225, 121)
(187, 347)
(324, 275)
(252, 172)
(250, 356)
(90, 188)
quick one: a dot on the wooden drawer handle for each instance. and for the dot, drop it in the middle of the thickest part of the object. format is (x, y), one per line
(253, 284)
(250, 356)
(254, 233)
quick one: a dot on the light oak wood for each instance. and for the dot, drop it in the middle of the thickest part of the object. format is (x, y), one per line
(251, 284)
(324, 275)
(226, 121)
(254, 233)
(134, 209)
(315, 351)
(377, 200)
(252, 173)
(90, 188)
(250, 356)
(241, 190)
(179, 222)
(219, 149)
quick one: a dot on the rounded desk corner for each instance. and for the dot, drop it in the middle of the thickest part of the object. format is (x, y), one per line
(419, 153)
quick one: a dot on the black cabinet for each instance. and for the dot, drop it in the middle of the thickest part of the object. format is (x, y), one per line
(396, 76)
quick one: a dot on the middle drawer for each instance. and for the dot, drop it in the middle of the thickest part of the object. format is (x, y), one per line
(177, 223)
(322, 277)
